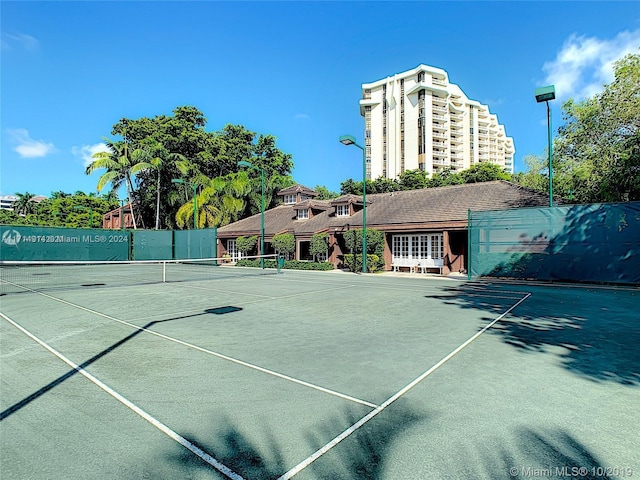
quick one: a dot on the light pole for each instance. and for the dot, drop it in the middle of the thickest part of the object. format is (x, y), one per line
(81, 207)
(244, 163)
(544, 94)
(350, 140)
(195, 198)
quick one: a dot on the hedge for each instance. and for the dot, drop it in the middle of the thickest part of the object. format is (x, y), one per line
(288, 264)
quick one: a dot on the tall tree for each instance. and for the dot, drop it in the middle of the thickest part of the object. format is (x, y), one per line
(120, 167)
(24, 204)
(412, 179)
(599, 143)
(484, 172)
(219, 202)
(324, 193)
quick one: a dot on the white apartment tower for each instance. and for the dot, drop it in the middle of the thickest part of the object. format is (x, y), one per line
(417, 119)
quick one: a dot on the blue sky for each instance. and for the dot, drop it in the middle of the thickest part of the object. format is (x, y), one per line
(70, 70)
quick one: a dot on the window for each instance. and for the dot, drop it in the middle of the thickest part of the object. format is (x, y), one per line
(343, 210)
(290, 199)
(418, 247)
(303, 214)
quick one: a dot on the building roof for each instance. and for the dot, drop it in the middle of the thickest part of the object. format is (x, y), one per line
(417, 208)
(298, 189)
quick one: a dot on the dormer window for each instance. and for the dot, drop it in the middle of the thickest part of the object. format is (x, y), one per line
(290, 199)
(343, 210)
(303, 214)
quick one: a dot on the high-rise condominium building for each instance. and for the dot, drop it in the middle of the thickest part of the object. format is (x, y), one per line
(417, 119)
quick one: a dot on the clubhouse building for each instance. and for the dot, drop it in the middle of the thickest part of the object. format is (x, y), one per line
(424, 230)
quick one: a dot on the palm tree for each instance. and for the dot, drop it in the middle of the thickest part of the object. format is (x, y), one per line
(146, 161)
(24, 204)
(220, 201)
(119, 166)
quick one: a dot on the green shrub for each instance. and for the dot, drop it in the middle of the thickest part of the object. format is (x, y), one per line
(375, 241)
(284, 244)
(288, 264)
(247, 245)
(319, 244)
(374, 262)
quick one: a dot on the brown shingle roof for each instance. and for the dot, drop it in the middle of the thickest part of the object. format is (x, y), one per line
(419, 207)
(347, 199)
(298, 189)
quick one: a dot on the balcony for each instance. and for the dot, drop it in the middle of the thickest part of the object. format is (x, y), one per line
(426, 86)
(438, 118)
(457, 139)
(442, 127)
(438, 81)
(438, 109)
(439, 100)
(439, 135)
(439, 154)
(456, 125)
(456, 117)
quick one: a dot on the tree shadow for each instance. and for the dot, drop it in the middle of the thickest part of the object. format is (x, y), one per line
(535, 454)
(359, 456)
(596, 243)
(592, 332)
(366, 454)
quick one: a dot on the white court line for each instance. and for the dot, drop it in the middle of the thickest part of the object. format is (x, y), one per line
(153, 421)
(215, 354)
(318, 453)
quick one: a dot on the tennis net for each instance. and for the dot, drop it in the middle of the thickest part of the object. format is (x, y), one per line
(25, 276)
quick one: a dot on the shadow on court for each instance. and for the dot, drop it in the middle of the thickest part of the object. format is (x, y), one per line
(38, 393)
(360, 456)
(554, 454)
(364, 455)
(595, 332)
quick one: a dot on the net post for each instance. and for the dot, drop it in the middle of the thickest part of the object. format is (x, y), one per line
(164, 272)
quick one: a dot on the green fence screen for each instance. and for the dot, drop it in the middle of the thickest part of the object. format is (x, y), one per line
(152, 244)
(51, 243)
(583, 243)
(200, 243)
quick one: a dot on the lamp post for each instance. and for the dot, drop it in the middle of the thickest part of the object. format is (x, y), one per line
(350, 140)
(544, 94)
(195, 198)
(244, 163)
(82, 207)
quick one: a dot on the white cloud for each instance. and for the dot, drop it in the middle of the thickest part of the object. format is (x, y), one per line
(20, 40)
(302, 116)
(584, 64)
(86, 152)
(27, 147)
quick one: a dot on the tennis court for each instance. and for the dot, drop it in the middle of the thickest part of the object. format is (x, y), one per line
(315, 375)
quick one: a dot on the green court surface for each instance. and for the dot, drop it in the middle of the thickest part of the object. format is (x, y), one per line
(320, 375)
